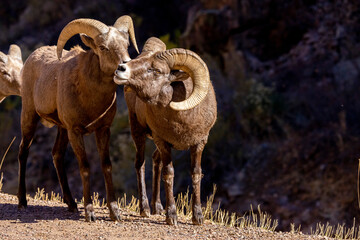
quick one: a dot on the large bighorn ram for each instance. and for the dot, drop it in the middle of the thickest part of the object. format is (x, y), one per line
(10, 67)
(175, 110)
(77, 93)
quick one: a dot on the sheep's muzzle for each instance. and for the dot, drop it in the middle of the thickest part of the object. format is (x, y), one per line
(122, 74)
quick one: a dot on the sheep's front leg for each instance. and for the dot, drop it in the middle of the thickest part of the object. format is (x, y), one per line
(168, 178)
(156, 206)
(58, 154)
(196, 175)
(77, 144)
(102, 142)
(139, 140)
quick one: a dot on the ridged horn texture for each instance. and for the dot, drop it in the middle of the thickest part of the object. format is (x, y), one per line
(15, 51)
(191, 63)
(90, 27)
(125, 24)
(154, 44)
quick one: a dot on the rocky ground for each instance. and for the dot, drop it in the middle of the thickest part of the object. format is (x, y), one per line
(51, 220)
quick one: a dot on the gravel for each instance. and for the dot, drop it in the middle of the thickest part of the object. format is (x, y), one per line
(51, 220)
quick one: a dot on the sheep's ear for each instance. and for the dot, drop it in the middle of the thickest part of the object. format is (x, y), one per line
(88, 41)
(3, 58)
(178, 76)
(15, 52)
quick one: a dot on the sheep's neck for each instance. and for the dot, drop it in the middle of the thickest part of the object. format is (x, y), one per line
(103, 114)
(96, 89)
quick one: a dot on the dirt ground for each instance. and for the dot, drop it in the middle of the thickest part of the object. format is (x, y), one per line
(51, 220)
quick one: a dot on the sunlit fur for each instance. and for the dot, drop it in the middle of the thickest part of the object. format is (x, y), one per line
(52, 86)
(72, 92)
(150, 88)
(154, 92)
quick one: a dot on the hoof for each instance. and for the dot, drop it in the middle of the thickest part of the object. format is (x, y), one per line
(144, 208)
(89, 213)
(157, 208)
(171, 217)
(22, 207)
(197, 217)
(114, 211)
(72, 207)
(90, 217)
(171, 220)
(145, 213)
(22, 204)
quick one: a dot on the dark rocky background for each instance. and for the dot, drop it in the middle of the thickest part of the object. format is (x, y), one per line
(286, 73)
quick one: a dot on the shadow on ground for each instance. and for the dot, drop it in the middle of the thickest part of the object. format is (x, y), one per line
(34, 213)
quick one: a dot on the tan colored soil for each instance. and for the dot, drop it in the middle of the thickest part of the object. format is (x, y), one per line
(51, 220)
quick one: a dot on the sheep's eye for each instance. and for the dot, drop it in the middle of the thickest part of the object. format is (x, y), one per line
(4, 72)
(157, 71)
(103, 48)
(149, 70)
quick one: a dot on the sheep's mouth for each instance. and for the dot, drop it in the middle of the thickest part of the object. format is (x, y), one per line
(120, 79)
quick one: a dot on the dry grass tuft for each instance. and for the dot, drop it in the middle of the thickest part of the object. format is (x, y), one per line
(133, 205)
(2, 161)
(338, 232)
(223, 217)
(1, 183)
(358, 186)
(41, 195)
(293, 228)
(96, 202)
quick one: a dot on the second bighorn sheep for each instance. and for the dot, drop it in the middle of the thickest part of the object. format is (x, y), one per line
(175, 110)
(76, 92)
(10, 67)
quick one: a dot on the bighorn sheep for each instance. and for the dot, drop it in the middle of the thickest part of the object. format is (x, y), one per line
(10, 67)
(77, 93)
(175, 110)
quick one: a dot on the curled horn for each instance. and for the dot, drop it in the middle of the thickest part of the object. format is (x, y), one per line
(153, 45)
(90, 27)
(125, 24)
(191, 63)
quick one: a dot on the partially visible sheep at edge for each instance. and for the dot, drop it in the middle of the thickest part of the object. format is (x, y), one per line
(173, 109)
(10, 67)
(76, 92)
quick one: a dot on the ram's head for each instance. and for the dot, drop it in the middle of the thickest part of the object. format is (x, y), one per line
(109, 43)
(10, 67)
(150, 75)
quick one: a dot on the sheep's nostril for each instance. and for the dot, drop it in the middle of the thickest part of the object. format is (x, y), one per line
(121, 68)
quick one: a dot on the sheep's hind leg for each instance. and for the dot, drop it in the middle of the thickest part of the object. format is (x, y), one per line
(156, 206)
(102, 142)
(196, 175)
(58, 154)
(29, 121)
(77, 144)
(168, 178)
